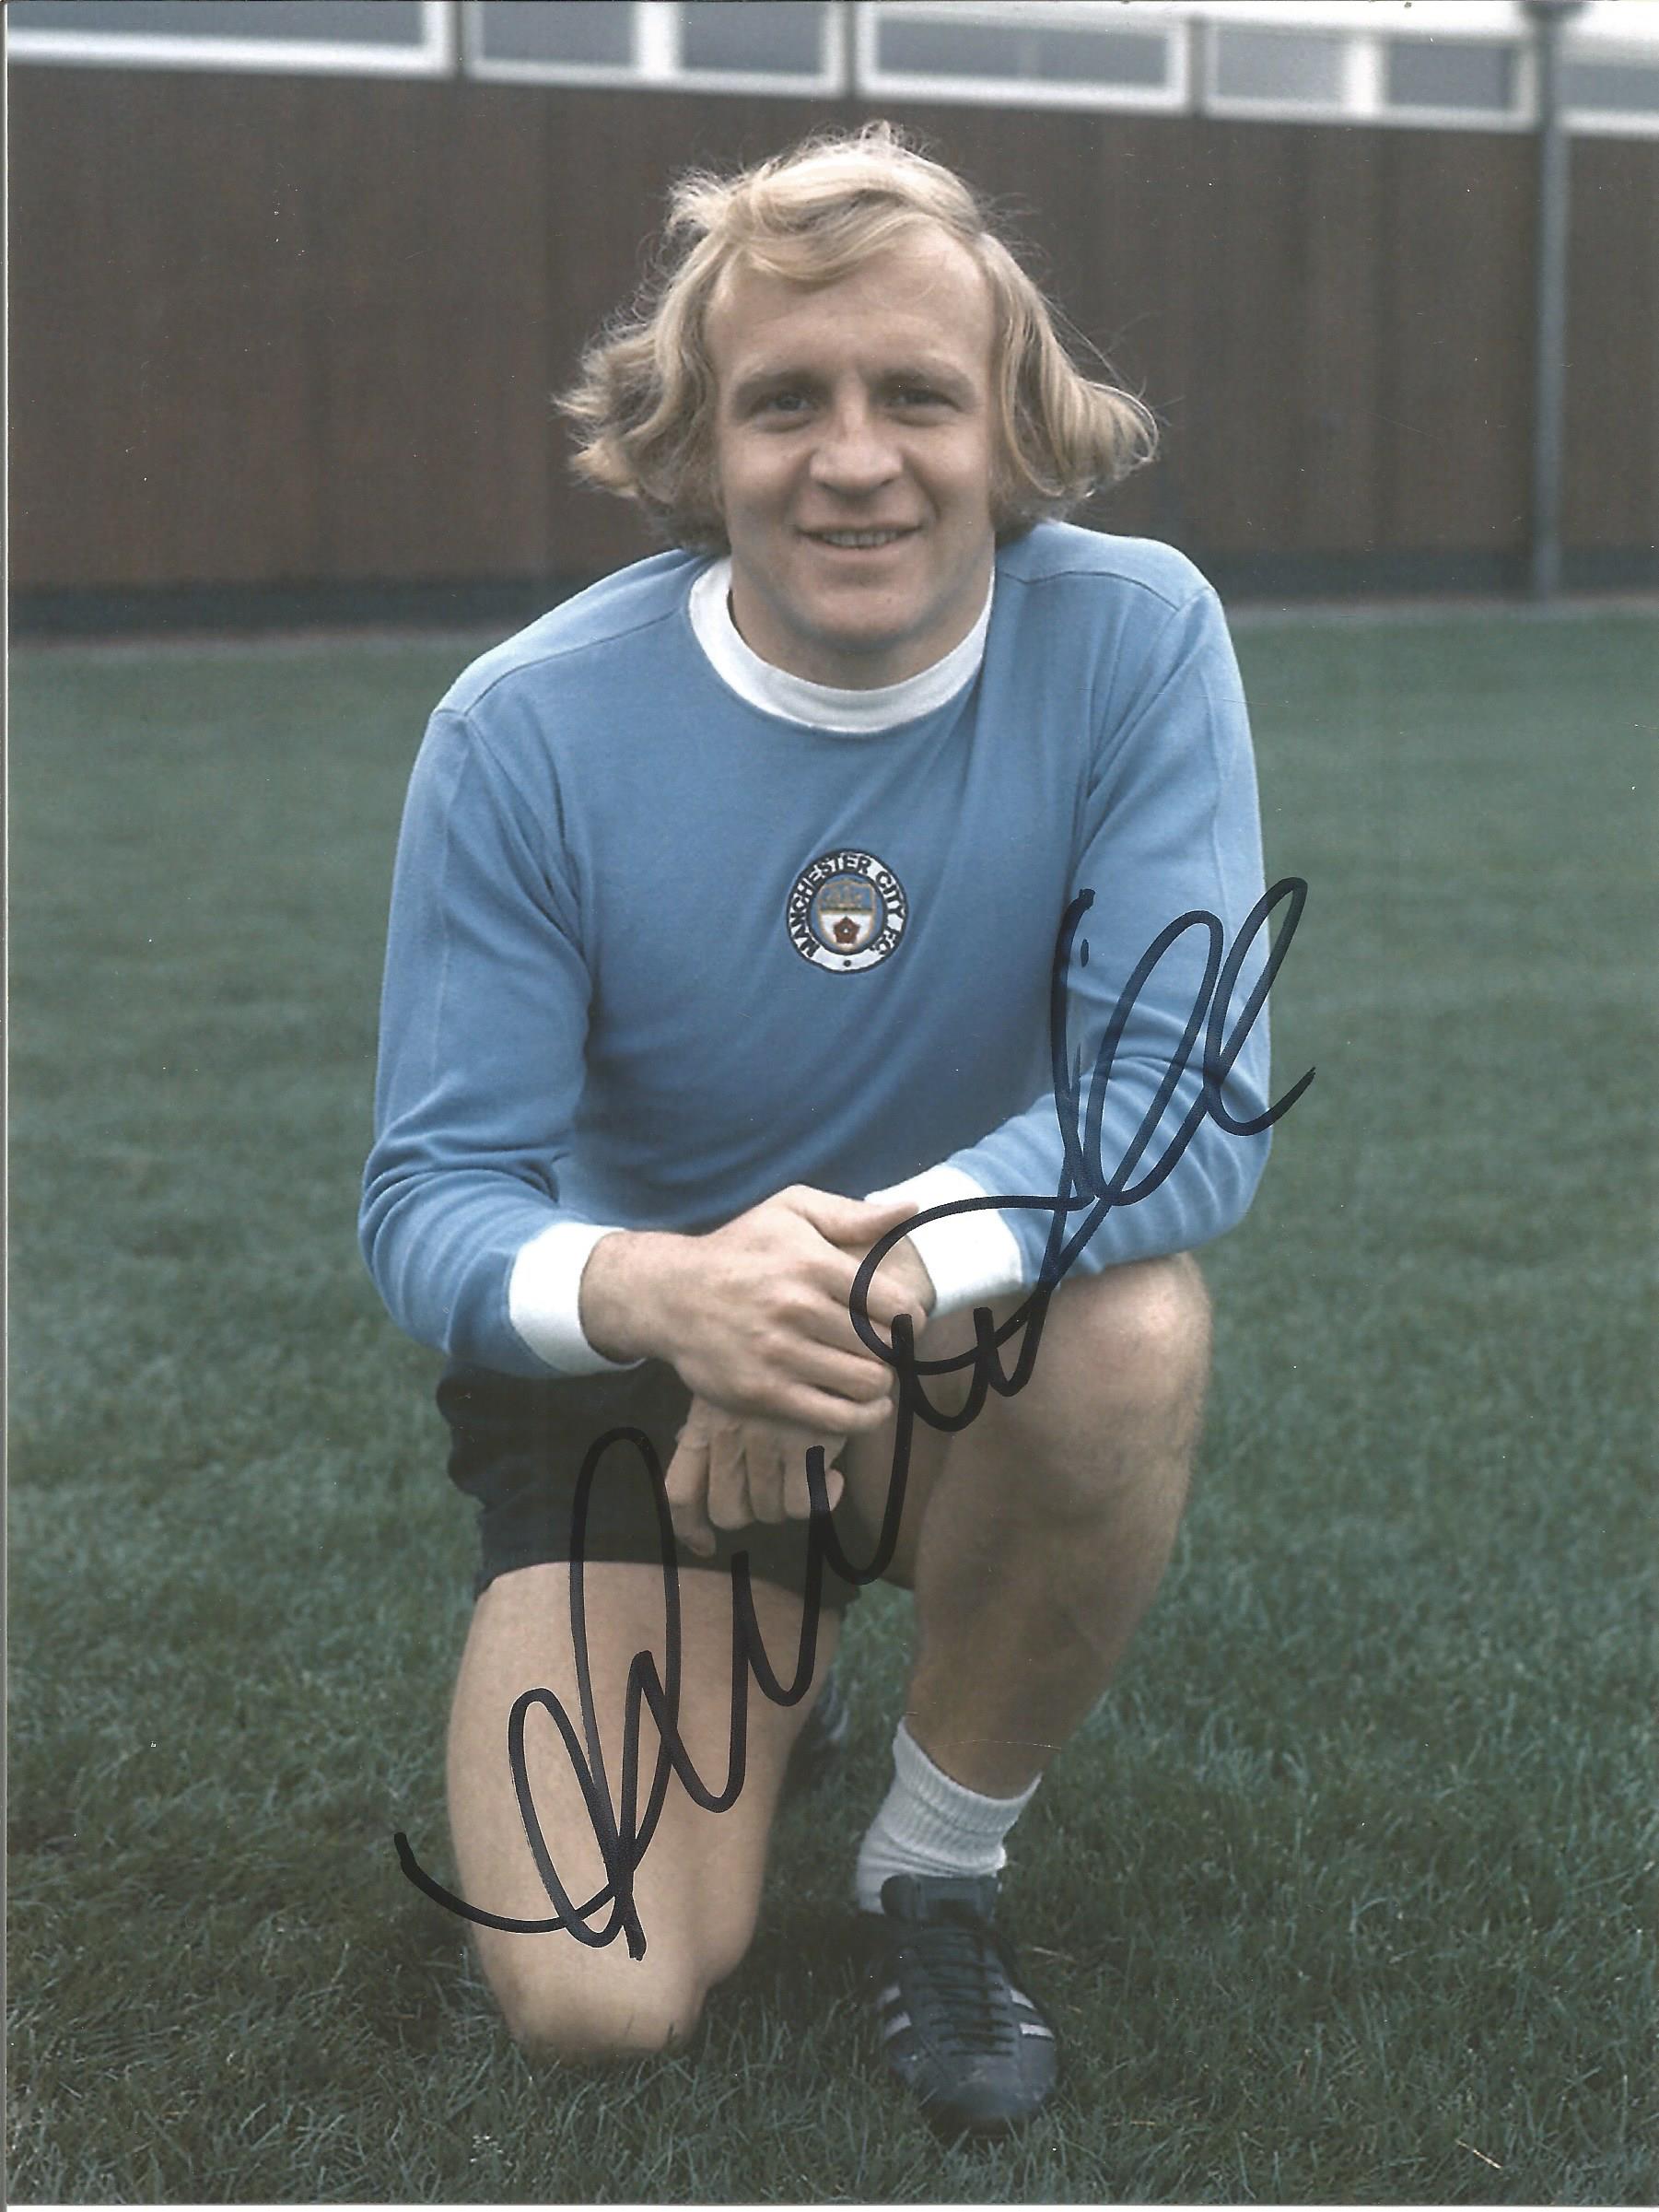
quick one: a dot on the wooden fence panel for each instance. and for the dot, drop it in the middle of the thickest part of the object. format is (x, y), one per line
(276, 330)
(163, 422)
(1612, 405)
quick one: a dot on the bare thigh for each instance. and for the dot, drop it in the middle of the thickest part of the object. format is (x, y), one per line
(697, 1889)
(868, 1462)
(1097, 1358)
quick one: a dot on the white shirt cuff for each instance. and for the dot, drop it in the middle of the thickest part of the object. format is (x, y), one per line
(544, 1298)
(972, 1257)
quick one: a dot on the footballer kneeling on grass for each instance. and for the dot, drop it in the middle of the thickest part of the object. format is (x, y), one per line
(725, 915)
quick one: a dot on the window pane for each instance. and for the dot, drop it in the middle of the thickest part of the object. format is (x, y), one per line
(1102, 57)
(1271, 65)
(600, 32)
(1447, 73)
(326, 22)
(757, 36)
(1613, 87)
(911, 47)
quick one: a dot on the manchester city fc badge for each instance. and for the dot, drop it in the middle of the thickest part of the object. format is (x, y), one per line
(846, 912)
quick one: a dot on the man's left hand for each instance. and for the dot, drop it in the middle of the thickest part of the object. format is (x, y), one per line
(903, 1265)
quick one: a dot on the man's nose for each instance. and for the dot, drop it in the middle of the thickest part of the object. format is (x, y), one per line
(855, 453)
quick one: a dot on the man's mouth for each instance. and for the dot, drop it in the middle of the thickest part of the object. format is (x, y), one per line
(861, 540)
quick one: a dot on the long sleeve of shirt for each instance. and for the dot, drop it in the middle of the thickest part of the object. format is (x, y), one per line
(1167, 829)
(483, 1025)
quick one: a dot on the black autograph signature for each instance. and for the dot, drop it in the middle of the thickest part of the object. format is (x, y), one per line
(623, 1828)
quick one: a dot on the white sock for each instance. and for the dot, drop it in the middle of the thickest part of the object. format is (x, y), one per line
(929, 1824)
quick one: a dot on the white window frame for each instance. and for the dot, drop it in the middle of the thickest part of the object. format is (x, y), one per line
(657, 62)
(1364, 76)
(1613, 122)
(434, 56)
(875, 82)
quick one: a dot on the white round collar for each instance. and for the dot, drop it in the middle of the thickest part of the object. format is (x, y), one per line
(821, 705)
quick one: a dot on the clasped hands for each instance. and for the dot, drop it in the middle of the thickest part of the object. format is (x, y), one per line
(754, 1318)
(780, 1367)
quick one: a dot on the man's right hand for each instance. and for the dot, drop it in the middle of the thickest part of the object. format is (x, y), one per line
(754, 1315)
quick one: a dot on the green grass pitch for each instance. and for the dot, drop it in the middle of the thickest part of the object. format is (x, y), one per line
(1342, 1895)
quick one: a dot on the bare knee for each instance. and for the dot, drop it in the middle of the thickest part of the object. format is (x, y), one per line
(1137, 1336)
(633, 2012)
(582, 2004)
(1123, 1366)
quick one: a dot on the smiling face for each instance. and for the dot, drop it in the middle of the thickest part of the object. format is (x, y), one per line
(854, 450)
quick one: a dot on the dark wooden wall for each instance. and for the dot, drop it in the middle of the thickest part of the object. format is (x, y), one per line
(281, 329)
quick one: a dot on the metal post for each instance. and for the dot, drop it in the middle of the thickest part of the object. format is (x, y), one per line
(1549, 327)
(844, 32)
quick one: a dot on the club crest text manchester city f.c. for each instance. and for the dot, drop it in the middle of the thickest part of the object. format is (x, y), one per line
(846, 912)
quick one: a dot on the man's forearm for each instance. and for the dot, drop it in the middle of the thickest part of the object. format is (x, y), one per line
(633, 1277)
(628, 1288)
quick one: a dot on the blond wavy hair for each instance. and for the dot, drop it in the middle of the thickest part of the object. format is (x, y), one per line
(644, 403)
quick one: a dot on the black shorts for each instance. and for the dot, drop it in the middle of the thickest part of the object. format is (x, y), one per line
(517, 1448)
